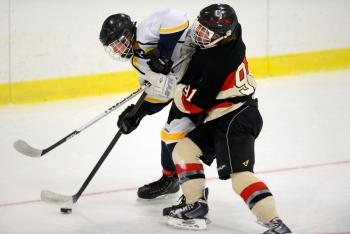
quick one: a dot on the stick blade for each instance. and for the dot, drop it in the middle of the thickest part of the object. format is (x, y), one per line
(49, 196)
(23, 147)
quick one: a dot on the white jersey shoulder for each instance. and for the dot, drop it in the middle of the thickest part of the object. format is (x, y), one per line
(162, 22)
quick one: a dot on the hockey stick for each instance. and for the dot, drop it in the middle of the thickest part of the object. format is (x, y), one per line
(24, 148)
(50, 196)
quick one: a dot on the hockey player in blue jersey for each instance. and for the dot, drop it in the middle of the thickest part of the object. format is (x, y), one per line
(152, 45)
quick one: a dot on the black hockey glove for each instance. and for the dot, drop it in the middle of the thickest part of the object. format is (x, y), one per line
(128, 123)
(159, 63)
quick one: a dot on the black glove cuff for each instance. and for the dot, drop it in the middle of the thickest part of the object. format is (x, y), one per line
(159, 63)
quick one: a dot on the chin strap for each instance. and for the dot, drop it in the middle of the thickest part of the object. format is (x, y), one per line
(214, 43)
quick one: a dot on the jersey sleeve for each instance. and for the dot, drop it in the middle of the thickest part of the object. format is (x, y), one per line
(162, 30)
(197, 97)
(173, 25)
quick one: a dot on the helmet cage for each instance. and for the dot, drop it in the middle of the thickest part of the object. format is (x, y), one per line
(206, 38)
(121, 49)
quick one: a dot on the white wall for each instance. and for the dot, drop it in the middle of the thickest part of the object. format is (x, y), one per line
(4, 42)
(53, 38)
(300, 25)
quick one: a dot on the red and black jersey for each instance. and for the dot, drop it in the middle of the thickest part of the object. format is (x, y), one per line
(217, 80)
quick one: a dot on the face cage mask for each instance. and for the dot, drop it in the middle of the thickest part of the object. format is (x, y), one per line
(203, 36)
(121, 49)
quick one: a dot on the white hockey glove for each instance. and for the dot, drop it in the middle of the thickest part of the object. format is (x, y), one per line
(162, 86)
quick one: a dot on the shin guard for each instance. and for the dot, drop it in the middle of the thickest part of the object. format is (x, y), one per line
(255, 194)
(189, 169)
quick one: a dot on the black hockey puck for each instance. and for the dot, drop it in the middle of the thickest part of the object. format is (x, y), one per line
(66, 210)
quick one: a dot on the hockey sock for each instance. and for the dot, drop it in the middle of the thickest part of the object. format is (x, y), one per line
(169, 173)
(166, 159)
(193, 190)
(255, 194)
(189, 169)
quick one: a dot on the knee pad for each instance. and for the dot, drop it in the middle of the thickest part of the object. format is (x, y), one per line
(186, 158)
(186, 151)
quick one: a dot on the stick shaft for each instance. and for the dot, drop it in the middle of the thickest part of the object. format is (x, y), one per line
(106, 153)
(97, 118)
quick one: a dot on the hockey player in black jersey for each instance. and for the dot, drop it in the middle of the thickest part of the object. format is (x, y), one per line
(219, 89)
(216, 94)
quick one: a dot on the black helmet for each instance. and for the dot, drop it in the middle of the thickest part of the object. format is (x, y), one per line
(116, 26)
(220, 18)
(117, 36)
(214, 23)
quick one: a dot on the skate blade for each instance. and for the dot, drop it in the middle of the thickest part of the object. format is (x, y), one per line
(160, 199)
(207, 219)
(189, 224)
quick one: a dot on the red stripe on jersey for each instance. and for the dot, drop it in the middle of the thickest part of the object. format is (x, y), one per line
(192, 108)
(248, 191)
(230, 81)
(188, 167)
(221, 105)
(246, 64)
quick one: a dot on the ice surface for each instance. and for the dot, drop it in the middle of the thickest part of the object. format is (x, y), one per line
(302, 154)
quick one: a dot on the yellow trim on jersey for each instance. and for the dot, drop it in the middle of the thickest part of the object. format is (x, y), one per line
(155, 100)
(172, 136)
(126, 81)
(134, 62)
(174, 29)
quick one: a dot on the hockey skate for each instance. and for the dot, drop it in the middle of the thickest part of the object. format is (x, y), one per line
(275, 226)
(182, 203)
(188, 216)
(166, 186)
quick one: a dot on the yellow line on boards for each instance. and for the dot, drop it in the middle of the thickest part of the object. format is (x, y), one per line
(293, 64)
(126, 81)
(70, 87)
(5, 94)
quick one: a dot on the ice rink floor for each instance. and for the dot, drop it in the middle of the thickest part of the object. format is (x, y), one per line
(302, 154)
